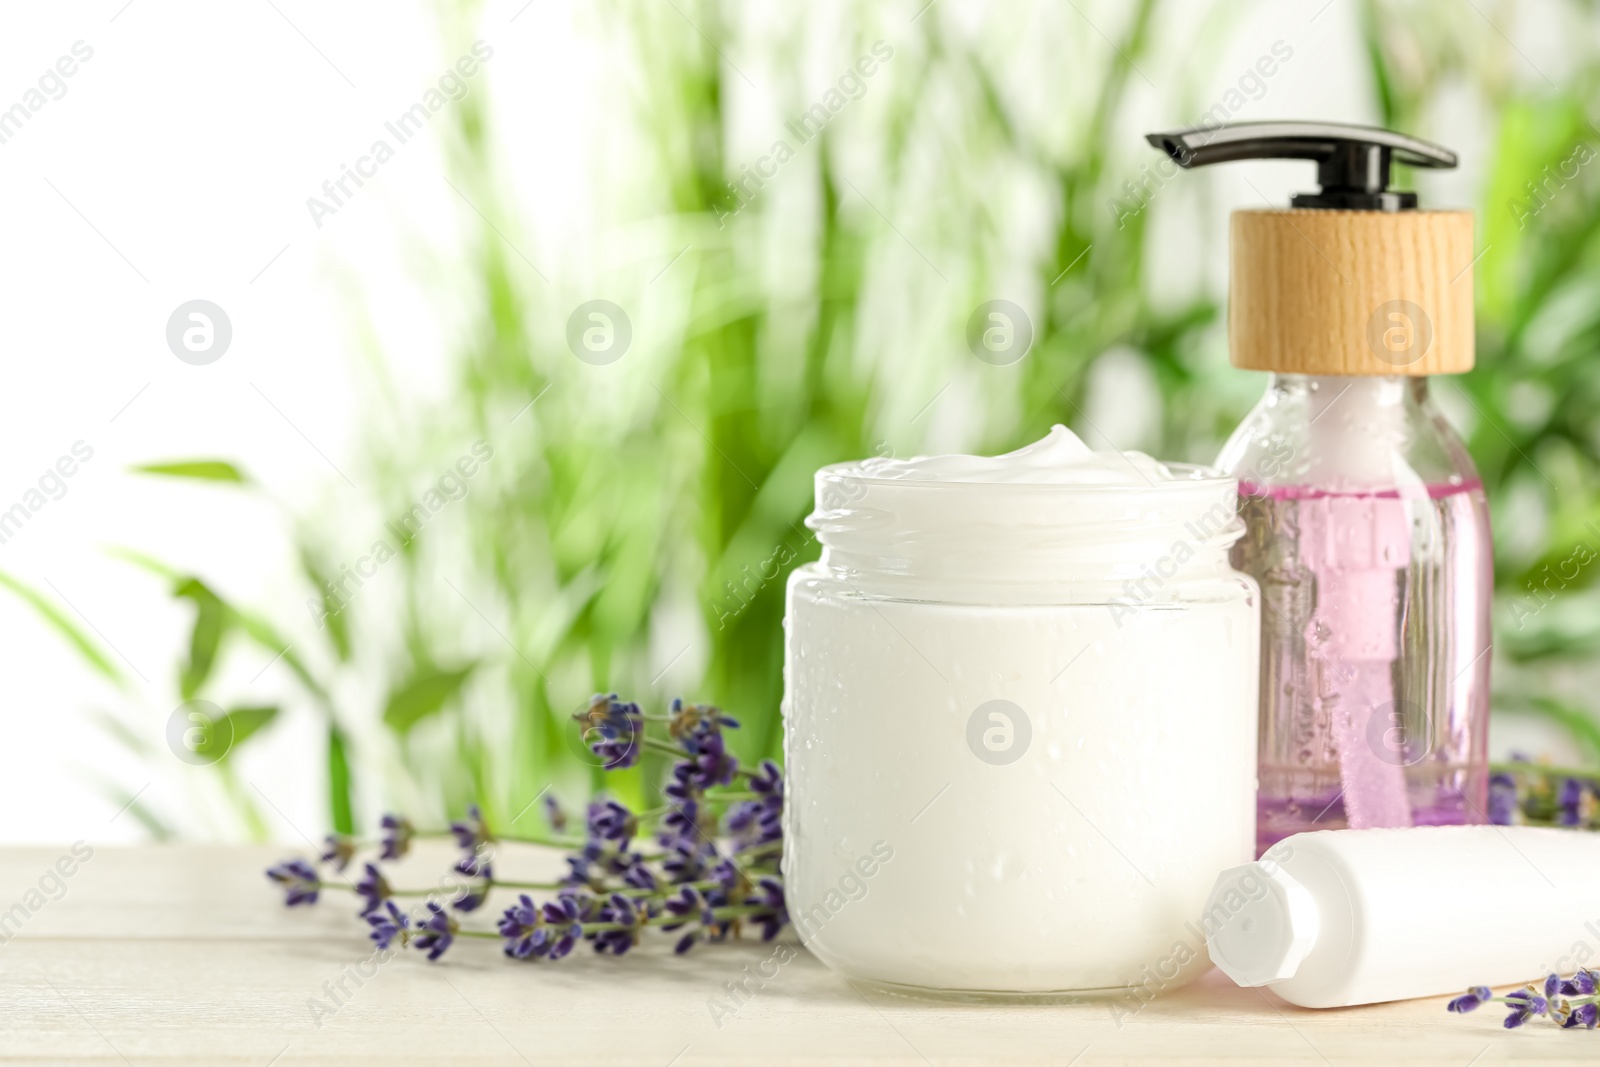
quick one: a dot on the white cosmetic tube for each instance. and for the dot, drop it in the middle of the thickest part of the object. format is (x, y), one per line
(1342, 917)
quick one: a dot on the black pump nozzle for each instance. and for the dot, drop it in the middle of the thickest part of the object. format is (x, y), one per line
(1352, 161)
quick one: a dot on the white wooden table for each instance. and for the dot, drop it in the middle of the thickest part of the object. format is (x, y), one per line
(169, 954)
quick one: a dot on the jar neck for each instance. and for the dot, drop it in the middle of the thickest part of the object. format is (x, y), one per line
(1019, 543)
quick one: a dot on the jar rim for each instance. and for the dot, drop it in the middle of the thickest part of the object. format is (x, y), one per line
(1187, 476)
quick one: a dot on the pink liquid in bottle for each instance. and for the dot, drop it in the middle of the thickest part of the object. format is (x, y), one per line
(1374, 654)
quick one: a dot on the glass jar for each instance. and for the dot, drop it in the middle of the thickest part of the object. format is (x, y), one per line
(1019, 728)
(1368, 531)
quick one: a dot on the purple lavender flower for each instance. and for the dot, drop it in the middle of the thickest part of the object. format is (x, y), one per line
(753, 824)
(685, 906)
(520, 926)
(617, 717)
(1529, 997)
(1552, 985)
(620, 726)
(473, 896)
(727, 874)
(757, 823)
(471, 832)
(1582, 984)
(686, 860)
(474, 865)
(397, 835)
(682, 820)
(619, 862)
(710, 764)
(692, 723)
(618, 755)
(638, 876)
(768, 781)
(580, 905)
(563, 918)
(389, 925)
(298, 879)
(338, 849)
(611, 821)
(373, 889)
(741, 817)
(1471, 1000)
(1569, 802)
(713, 928)
(1584, 1015)
(1503, 805)
(436, 932)
(1524, 1004)
(770, 896)
(620, 910)
(554, 814)
(579, 864)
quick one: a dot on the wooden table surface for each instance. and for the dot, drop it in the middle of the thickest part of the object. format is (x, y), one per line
(185, 955)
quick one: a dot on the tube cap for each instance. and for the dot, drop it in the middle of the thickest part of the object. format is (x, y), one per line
(1260, 924)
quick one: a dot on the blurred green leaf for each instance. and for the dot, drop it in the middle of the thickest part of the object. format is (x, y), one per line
(1550, 642)
(243, 803)
(87, 647)
(333, 618)
(1525, 250)
(424, 694)
(246, 721)
(339, 807)
(205, 638)
(129, 802)
(1577, 722)
(134, 742)
(220, 739)
(205, 470)
(1569, 563)
(253, 625)
(144, 562)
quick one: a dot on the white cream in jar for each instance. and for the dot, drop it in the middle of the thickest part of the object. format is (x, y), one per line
(1019, 720)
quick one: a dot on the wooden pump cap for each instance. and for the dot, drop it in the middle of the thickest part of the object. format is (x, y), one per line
(1352, 292)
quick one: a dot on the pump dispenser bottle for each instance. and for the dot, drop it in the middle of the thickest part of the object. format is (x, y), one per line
(1366, 524)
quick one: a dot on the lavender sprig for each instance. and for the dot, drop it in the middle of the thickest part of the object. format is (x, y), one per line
(471, 832)
(715, 871)
(1523, 792)
(1568, 1002)
(389, 925)
(299, 881)
(472, 898)
(339, 850)
(397, 835)
(373, 888)
(620, 727)
(436, 932)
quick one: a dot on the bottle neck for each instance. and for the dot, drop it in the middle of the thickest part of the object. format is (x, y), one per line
(1347, 433)
(1321, 392)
